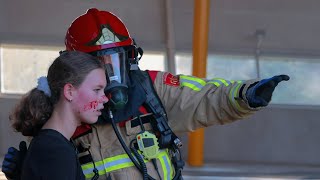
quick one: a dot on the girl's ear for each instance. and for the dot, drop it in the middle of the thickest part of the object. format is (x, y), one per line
(69, 91)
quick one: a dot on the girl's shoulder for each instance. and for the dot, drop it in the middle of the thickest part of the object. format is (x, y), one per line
(50, 141)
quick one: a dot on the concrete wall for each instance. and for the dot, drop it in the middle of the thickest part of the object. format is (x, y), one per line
(289, 24)
(277, 134)
(8, 137)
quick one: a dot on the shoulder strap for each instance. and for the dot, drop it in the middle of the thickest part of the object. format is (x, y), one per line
(154, 104)
(167, 138)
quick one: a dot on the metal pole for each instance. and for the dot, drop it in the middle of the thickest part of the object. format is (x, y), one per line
(200, 53)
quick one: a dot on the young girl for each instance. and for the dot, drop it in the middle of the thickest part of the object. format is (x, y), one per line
(71, 94)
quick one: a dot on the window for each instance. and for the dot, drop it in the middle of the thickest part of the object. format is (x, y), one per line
(302, 89)
(223, 66)
(22, 65)
(152, 61)
(231, 67)
(183, 63)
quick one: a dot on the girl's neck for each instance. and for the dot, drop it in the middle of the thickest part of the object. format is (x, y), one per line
(62, 121)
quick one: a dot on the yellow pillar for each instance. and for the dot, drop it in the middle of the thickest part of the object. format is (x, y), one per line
(200, 52)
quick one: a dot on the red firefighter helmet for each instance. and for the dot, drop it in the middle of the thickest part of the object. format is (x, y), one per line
(97, 30)
(102, 34)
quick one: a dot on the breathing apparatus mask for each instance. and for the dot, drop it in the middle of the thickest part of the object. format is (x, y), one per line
(118, 61)
(116, 70)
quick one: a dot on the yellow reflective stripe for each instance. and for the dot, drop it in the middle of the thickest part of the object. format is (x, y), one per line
(166, 166)
(191, 78)
(238, 81)
(214, 82)
(120, 162)
(218, 81)
(117, 162)
(86, 166)
(191, 86)
(165, 172)
(233, 93)
(197, 84)
(107, 165)
(99, 163)
(193, 83)
(120, 166)
(225, 82)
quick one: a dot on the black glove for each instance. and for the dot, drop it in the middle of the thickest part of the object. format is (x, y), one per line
(260, 94)
(13, 160)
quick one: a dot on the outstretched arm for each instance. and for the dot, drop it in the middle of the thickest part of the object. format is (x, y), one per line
(192, 102)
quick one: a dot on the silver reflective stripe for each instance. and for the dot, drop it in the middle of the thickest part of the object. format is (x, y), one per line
(107, 165)
(119, 162)
(219, 81)
(167, 167)
(195, 83)
(232, 97)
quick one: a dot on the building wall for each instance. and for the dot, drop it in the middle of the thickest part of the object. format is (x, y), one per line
(285, 135)
(8, 137)
(276, 134)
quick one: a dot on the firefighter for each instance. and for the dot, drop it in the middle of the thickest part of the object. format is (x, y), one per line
(135, 137)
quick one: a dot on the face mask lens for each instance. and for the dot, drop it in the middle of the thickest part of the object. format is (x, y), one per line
(112, 67)
(115, 68)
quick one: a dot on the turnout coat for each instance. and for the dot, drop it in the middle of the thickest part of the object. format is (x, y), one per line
(190, 103)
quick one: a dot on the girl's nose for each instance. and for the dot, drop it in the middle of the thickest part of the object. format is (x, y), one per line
(103, 99)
